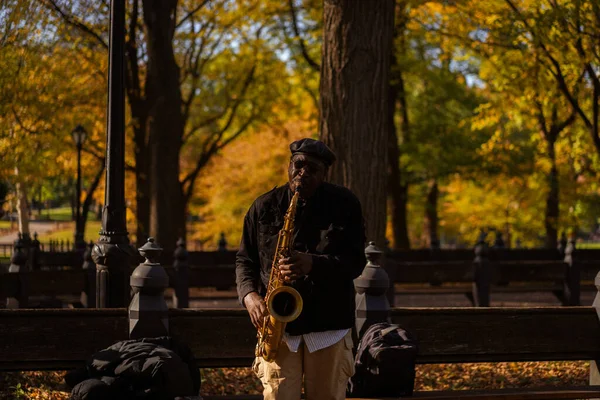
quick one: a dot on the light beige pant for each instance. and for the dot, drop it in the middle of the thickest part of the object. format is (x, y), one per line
(325, 372)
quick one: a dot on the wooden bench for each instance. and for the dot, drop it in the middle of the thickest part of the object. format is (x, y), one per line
(494, 270)
(63, 339)
(411, 272)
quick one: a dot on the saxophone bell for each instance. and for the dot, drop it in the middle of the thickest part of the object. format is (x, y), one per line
(285, 304)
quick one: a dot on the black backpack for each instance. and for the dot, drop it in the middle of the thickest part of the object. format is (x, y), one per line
(384, 363)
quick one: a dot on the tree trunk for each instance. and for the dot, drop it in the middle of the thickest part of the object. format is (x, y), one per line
(98, 211)
(431, 215)
(73, 206)
(397, 191)
(165, 124)
(22, 207)
(552, 201)
(142, 185)
(551, 133)
(87, 203)
(402, 222)
(138, 105)
(357, 43)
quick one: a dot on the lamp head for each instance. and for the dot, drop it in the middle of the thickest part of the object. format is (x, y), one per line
(79, 134)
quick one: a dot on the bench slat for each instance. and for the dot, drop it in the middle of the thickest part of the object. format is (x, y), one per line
(450, 271)
(503, 334)
(57, 338)
(71, 282)
(54, 283)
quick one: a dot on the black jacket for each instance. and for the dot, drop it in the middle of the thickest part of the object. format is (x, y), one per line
(329, 226)
(150, 369)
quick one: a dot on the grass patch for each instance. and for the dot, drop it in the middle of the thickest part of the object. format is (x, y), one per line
(61, 214)
(67, 234)
(593, 246)
(92, 229)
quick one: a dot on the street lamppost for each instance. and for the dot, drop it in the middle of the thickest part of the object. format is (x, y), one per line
(112, 253)
(79, 134)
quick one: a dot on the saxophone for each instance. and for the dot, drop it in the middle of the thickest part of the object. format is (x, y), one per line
(284, 303)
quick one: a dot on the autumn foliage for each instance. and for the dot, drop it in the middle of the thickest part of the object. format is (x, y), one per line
(495, 107)
(230, 381)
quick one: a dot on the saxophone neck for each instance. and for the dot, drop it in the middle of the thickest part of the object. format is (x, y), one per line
(294, 203)
(291, 212)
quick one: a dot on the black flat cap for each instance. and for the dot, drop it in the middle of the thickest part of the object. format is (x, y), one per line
(314, 148)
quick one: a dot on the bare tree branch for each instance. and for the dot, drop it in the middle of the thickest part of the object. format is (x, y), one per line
(567, 122)
(190, 180)
(313, 64)
(592, 126)
(94, 185)
(239, 100)
(232, 112)
(211, 144)
(93, 151)
(205, 123)
(71, 20)
(191, 13)
(595, 83)
(542, 119)
(132, 77)
(467, 39)
(240, 130)
(20, 122)
(196, 69)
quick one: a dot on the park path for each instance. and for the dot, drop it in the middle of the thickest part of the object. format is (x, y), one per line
(41, 227)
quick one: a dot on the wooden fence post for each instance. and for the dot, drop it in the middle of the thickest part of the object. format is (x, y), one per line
(35, 253)
(571, 283)
(482, 274)
(562, 244)
(222, 244)
(18, 265)
(26, 248)
(148, 311)
(498, 241)
(372, 305)
(391, 268)
(88, 295)
(435, 253)
(181, 294)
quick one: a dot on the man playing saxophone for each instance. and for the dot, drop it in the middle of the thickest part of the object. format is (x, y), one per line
(328, 254)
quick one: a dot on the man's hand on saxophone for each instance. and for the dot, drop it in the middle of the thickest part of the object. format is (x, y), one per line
(256, 307)
(296, 266)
